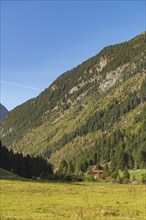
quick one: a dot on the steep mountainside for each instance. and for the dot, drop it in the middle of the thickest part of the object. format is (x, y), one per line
(3, 112)
(93, 113)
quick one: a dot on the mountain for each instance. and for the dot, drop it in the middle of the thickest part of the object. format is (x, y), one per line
(94, 113)
(3, 112)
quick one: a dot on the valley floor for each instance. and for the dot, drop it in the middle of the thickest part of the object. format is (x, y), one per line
(26, 200)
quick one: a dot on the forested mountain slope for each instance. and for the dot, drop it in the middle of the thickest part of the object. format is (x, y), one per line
(93, 113)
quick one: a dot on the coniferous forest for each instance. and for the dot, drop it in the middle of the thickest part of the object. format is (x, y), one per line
(28, 167)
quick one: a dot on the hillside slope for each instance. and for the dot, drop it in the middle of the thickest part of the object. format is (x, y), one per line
(92, 113)
(5, 174)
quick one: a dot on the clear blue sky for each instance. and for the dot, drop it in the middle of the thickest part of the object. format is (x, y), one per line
(42, 39)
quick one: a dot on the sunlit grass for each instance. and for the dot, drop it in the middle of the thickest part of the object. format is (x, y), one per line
(137, 174)
(71, 201)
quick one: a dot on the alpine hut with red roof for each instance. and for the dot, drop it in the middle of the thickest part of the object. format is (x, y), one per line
(95, 171)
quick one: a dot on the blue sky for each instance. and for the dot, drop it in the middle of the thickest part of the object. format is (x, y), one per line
(42, 39)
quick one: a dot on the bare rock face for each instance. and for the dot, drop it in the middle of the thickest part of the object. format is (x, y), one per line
(111, 78)
(102, 64)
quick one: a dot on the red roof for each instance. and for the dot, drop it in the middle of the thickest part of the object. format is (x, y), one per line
(96, 171)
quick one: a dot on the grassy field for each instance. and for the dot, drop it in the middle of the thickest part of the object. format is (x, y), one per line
(71, 201)
(137, 173)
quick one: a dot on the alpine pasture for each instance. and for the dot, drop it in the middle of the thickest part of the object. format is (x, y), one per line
(32, 200)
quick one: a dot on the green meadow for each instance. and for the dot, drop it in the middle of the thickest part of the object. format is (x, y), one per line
(28, 200)
(5, 174)
(137, 173)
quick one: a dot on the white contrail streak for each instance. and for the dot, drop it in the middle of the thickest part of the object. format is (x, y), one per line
(20, 85)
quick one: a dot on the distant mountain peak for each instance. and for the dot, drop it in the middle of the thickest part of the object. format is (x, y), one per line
(3, 112)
